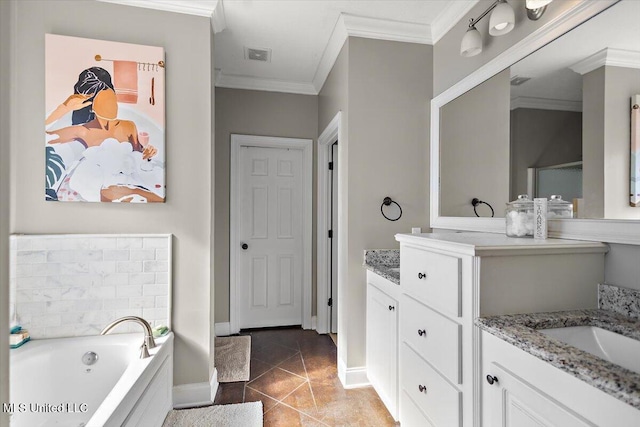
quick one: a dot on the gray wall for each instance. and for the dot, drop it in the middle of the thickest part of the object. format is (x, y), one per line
(6, 10)
(250, 112)
(187, 212)
(474, 149)
(385, 153)
(542, 138)
(592, 144)
(622, 267)
(449, 67)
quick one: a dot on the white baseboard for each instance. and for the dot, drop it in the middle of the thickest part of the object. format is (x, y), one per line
(195, 394)
(222, 329)
(314, 323)
(352, 377)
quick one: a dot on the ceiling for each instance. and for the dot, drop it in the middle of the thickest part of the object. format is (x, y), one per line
(305, 36)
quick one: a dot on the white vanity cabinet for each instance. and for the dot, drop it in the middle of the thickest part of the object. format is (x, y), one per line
(520, 390)
(449, 279)
(382, 339)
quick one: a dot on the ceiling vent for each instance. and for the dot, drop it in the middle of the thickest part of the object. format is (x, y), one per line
(517, 80)
(257, 54)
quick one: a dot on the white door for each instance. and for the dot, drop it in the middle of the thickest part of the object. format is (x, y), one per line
(270, 257)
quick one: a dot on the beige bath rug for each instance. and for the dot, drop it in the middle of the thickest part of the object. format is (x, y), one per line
(241, 414)
(232, 357)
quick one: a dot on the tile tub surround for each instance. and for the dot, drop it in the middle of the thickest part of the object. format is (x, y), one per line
(620, 300)
(74, 285)
(520, 331)
(382, 261)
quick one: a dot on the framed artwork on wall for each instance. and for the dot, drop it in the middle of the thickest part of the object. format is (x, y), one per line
(105, 121)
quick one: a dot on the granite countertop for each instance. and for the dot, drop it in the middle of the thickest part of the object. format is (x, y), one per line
(384, 262)
(520, 331)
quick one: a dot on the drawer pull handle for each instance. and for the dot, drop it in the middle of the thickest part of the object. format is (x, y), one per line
(422, 388)
(492, 379)
(422, 276)
(391, 308)
(422, 332)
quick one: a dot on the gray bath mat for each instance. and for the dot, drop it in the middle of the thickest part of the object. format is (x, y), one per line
(241, 414)
(232, 358)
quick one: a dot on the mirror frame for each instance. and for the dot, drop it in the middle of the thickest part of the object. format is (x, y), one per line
(605, 230)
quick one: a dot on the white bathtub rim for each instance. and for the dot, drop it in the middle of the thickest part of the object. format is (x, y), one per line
(130, 387)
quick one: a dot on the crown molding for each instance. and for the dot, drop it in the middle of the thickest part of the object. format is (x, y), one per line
(449, 17)
(210, 8)
(545, 104)
(384, 29)
(269, 85)
(609, 57)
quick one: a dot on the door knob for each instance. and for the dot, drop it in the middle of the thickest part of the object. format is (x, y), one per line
(244, 246)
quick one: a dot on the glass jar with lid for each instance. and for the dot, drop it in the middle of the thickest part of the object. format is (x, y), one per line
(519, 217)
(558, 208)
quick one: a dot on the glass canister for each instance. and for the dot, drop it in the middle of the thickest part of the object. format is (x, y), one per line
(519, 217)
(558, 208)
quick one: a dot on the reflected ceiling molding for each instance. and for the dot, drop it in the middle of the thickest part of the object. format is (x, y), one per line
(269, 85)
(609, 57)
(545, 104)
(210, 8)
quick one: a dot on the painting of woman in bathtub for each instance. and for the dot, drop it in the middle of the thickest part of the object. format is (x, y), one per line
(104, 136)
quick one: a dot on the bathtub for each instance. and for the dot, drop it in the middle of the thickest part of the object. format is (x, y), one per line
(51, 386)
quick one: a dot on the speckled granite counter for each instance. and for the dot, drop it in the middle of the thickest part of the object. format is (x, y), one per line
(520, 331)
(385, 262)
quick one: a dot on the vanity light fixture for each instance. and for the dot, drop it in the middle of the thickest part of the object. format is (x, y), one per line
(501, 21)
(535, 8)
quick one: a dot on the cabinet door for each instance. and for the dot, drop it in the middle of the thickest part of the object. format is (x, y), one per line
(512, 402)
(382, 346)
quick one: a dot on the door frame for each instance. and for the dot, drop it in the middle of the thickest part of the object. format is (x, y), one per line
(306, 145)
(323, 274)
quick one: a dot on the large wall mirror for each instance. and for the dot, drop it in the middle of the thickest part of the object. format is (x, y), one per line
(555, 119)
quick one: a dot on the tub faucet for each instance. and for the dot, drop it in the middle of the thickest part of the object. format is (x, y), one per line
(148, 343)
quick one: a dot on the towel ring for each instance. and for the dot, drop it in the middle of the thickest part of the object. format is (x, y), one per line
(475, 202)
(387, 202)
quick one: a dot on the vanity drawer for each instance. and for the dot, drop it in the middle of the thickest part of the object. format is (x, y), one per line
(435, 337)
(431, 278)
(410, 414)
(440, 401)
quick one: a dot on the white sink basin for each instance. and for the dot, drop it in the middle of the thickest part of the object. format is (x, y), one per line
(615, 348)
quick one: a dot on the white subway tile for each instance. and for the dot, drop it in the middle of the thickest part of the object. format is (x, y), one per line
(129, 243)
(30, 257)
(60, 306)
(141, 278)
(61, 256)
(129, 291)
(43, 294)
(116, 255)
(22, 270)
(61, 331)
(74, 293)
(155, 313)
(103, 242)
(162, 254)
(72, 268)
(46, 269)
(162, 301)
(154, 290)
(89, 256)
(155, 242)
(156, 266)
(37, 333)
(13, 243)
(162, 278)
(141, 302)
(44, 320)
(102, 268)
(24, 319)
(116, 279)
(116, 303)
(87, 305)
(129, 267)
(128, 312)
(102, 292)
(143, 254)
(32, 307)
(31, 282)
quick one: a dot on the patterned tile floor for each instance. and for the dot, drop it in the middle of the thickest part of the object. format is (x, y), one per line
(294, 374)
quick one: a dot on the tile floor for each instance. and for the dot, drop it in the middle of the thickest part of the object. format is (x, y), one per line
(294, 374)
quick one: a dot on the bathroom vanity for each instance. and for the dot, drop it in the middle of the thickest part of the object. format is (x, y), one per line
(449, 279)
